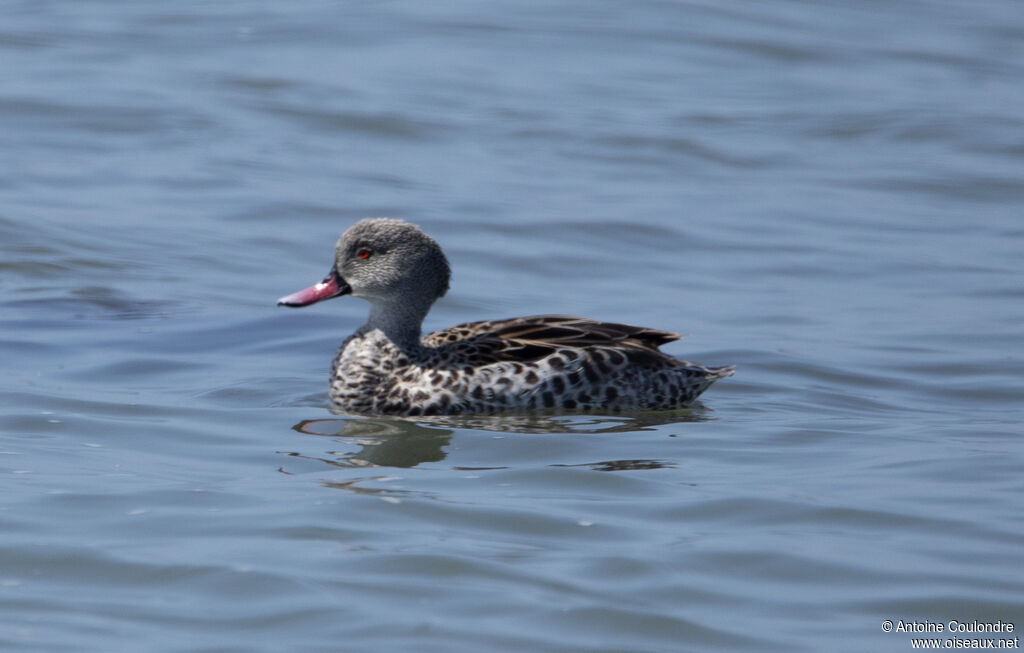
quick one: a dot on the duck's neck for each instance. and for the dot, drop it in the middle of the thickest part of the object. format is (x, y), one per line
(400, 322)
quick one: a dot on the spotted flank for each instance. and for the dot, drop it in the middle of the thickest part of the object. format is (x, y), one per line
(527, 363)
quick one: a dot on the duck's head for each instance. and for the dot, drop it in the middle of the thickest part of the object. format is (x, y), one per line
(384, 261)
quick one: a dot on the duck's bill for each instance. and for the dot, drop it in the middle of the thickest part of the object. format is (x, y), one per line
(331, 286)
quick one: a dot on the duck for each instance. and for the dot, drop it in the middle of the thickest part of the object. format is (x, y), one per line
(539, 363)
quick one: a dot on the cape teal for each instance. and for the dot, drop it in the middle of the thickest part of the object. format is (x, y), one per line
(524, 363)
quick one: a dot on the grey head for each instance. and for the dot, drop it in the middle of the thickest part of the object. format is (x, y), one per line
(388, 262)
(385, 260)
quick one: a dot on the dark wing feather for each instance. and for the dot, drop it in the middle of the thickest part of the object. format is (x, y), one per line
(526, 339)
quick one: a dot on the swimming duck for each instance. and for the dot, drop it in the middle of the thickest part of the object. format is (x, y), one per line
(525, 363)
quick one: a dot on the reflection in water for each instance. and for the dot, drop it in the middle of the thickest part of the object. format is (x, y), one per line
(387, 494)
(382, 442)
(578, 423)
(623, 465)
(408, 442)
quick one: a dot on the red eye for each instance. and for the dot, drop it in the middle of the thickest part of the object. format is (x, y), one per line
(364, 253)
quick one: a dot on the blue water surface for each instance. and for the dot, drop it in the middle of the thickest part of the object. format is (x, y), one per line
(826, 195)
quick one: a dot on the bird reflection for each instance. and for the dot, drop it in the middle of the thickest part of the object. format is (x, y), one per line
(407, 442)
(382, 442)
(622, 465)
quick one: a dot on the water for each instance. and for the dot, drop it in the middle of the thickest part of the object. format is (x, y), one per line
(828, 196)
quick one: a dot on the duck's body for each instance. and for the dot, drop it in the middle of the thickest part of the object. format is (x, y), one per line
(548, 361)
(543, 362)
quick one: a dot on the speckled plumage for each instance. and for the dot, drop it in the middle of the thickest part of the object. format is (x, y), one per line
(527, 363)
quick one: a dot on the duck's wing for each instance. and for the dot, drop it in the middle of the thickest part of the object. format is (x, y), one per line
(525, 339)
